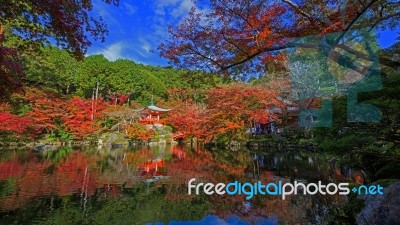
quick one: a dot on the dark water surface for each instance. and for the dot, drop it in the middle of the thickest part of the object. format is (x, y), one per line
(148, 185)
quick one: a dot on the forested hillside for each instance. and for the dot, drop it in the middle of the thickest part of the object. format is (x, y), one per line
(57, 70)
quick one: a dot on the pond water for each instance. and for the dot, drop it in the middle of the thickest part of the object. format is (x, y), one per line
(148, 185)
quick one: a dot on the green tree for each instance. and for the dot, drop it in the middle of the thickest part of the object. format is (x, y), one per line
(54, 68)
(133, 78)
(373, 147)
(94, 72)
(35, 23)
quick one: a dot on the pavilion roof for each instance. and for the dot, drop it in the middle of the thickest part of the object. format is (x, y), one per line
(155, 108)
(152, 108)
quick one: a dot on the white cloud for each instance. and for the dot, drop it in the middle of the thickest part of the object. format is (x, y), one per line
(146, 47)
(129, 8)
(174, 8)
(139, 41)
(123, 50)
(183, 9)
(106, 12)
(113, 52)
(166, 12)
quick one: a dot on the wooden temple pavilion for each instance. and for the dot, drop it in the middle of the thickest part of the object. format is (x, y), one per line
(151, 115)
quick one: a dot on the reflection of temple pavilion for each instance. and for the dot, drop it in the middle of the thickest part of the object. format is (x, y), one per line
(151, 115)
(152, 166)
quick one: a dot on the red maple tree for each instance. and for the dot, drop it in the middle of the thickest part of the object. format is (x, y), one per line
(233, 107)
(190, 120)
(13, 123)
(238, 36)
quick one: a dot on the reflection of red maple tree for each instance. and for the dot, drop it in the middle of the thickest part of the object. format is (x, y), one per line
(32, 178)
(11, 168)
(76, 173)
(203, 166)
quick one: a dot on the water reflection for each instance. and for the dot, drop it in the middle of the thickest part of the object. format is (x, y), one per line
(148, 185)
(230, 220)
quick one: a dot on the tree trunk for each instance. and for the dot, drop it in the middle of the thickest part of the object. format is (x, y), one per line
(97, 96)
(92, 105)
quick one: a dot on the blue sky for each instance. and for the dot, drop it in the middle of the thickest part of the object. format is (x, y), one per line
(136, 27)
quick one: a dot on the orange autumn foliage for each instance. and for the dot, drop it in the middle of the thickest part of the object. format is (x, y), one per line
(227, 109)
(138, 131)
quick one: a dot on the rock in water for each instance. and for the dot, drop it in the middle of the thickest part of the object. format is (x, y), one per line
(381, 209)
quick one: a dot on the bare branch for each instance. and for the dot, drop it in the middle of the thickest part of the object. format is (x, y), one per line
(303, 13)
(354, 20)
(230, 42)
(383, 18)
(268, 49)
